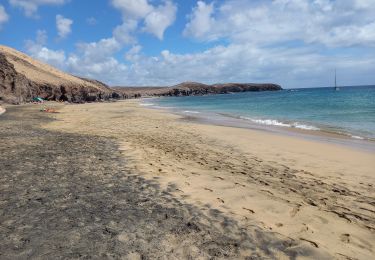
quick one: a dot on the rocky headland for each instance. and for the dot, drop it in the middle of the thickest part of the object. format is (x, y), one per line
(23, 78)
(195, 89)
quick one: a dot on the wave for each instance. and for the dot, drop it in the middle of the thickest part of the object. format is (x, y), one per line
(146, 104)
(274, 122)
(357, 137)
(191, 112)
(306, 127)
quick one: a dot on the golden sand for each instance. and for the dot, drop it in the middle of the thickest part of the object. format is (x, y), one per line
(317, 193)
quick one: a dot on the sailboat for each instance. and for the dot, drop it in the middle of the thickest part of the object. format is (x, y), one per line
(336, 87)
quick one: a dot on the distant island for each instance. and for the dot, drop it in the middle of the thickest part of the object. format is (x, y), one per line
(23, 78)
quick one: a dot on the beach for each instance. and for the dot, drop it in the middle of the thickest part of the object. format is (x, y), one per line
(142, 182)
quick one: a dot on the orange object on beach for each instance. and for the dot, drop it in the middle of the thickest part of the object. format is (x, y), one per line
(49, 110)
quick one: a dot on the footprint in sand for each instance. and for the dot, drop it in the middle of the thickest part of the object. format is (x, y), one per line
(250, 210)
(295, 210)
(208, 189)
(310, 241)
(236, 183)
(345, 238)
(267, 191)
(221, 200)
(221, 178)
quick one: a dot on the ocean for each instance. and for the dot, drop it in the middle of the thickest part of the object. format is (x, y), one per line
(350, 111)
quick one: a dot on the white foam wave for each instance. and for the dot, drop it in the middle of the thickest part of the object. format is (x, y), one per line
(305, 127)
(270, 122)
(191, 112)
(146, 104)
(274, 122)
(357, 137)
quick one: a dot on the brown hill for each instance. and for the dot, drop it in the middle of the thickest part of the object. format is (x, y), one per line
(22, 78)
(195, 89)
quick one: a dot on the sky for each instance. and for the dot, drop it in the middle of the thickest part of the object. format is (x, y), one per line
(294, 43)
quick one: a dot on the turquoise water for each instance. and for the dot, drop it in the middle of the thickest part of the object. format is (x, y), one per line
(349, 111)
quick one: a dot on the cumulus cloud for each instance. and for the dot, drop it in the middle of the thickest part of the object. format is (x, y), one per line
(93, 60)
(38, 51)
(332, 23)
(300, 67)
(124, 33)
(30, 7)
(160, 19)
(133, 9)
(4, 17)
(290, 42)
(156, 19)
(63, 26)
(133, 54)
(201, 20)
(296, 67)
(98, 51)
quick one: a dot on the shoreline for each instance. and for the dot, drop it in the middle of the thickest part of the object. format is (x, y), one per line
(222, 119)
(318, 194)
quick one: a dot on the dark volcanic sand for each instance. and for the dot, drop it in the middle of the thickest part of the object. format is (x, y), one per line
(71, 196)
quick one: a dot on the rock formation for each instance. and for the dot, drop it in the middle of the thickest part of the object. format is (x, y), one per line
(23, 78)
(195, 89)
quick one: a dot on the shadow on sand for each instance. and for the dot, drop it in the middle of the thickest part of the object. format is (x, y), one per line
(71, 196)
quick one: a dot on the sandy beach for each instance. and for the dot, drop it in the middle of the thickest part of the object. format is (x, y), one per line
(212, 191)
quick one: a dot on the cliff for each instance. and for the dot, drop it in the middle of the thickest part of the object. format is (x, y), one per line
(23, 78)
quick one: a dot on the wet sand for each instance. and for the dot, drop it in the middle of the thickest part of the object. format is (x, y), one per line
(118, 180)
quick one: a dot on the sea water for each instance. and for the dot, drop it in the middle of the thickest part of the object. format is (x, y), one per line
(349, 111)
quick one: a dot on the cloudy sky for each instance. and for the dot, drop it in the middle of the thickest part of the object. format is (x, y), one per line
(295, 43)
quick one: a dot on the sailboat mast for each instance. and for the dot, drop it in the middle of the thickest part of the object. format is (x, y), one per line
(335, 79)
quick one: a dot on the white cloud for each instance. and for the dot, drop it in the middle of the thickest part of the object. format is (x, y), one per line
(160, 19)
(133, 9)
(237, 62)
(201, 20)
(63, 26)
(300, 67)
(94, 60)
(108, 70)
(124, 32)
(156, 19)
(98, 51)
(4, 17)
(38, 51)
(332, 23)
(41, 37)
(290, 42)
(30, 7)
(133, 54)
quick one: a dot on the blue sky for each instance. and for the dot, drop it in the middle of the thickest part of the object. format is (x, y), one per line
(295, 43)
